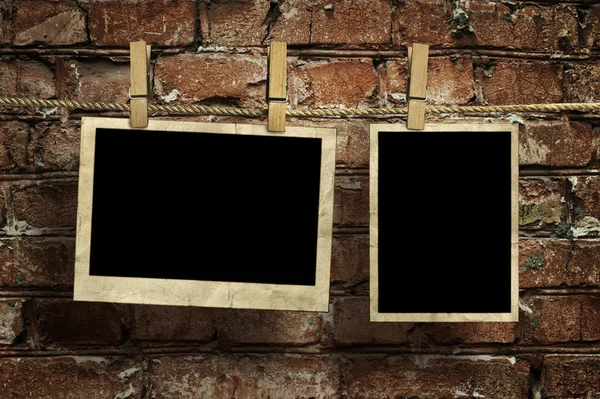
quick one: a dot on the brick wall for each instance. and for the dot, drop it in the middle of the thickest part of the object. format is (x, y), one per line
(343, 53)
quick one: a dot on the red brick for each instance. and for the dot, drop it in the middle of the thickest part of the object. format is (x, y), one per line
(37, 262)
(244, 376)
(449, 80)
(54, 147)
(506, 81)
(43, 204)
(540, 202)
(351, 204)
(529, 27)
(13, 143)
(236, 23)
(558, 319)
(70, 377)
(334, 84)
(351, 22)
(294, 24)
(471, 333)
(11, 321)
(426, 21)
(26, 79)
(157, 22)
(98, 80)
(5, 22)
(556, 144)
(268, 327)
(393, 76)
(172, 323)
(351, 325)
(54, 23)
(582, 83)
(64, 322)
(543, 262)
(434, 376)
(589, 20)
(571, 376)
(583, 266)
(350, 259)
(587, 200)
(213, 78)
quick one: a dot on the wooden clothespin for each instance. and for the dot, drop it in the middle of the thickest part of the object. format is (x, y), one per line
(277, 86)
(138, 92)
(417, 85)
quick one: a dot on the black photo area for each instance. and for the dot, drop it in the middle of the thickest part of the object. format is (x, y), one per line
(205, 206)
(444, 222)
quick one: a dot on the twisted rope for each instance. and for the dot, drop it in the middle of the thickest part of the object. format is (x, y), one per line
(232, 111)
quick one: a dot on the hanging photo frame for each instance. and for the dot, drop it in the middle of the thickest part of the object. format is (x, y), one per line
(205, 214)
(444, 223)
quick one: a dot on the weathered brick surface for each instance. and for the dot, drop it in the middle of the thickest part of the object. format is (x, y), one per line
(157, 22)
(449, 80)
(352, 144)
(54, 147)
(244, 376)
(582, 82)
(543, 262)
(11, 320)
(470, 333)
(341, 83)
(54, 23)
(172, 323)
(350, 259)
(571, 376)
(541, 202)
(587, 201)
(351, 325)
(43, 204)
(13, 145)
(583, 267)
(430, 376)
(26, 79)
(351, 22)
(351, 201)
(71, 377)
(557, 319)
(426, 21)
(589, 19)
(65, 322)
(236, 23)
(505, 81)
(5, 22)
(524, 27)
(213, 79)
(294, 25)
(556, 144)
(237, 326)
(37, 262)
(98, 80)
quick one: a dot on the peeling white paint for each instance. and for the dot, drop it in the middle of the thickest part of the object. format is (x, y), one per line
(572, 180)
(586, 226)
(350, 185)
(74, 66)
(291, 13)
(212, 49)
(525, 308)
(398, 96)
(515, 118)
(534, 151)
(45, 111)
(172, 96)
(477, 395)
(128, 373)
(126, 394)
(461, 393)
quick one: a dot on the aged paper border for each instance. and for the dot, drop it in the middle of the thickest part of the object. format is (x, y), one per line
(513, 129)
(193, 292)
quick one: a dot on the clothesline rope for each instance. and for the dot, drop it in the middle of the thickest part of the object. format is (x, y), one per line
(249, 112)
